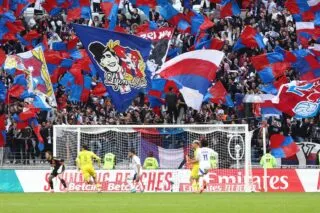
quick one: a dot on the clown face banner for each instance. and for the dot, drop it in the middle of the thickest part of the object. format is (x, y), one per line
(120, 60)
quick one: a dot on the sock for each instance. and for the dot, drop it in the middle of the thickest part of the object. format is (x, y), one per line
(197, 186)
(51, 184)
(132, 186)
(141, 186)
(63, 183)
(194, 186)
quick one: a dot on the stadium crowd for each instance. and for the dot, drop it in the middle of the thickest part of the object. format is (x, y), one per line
(236, 73)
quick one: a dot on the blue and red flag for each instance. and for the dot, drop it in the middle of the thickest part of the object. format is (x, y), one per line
(20, 88)
(110, 9)
(218, 94)
(18, 6)
(249, 38)
(273, 87)
(9, 26)
(199, 22)
(146, 27)
(306, 64)
(55, 7)
(79, 9)
(144, 5)
(34, 124)
(173, 52)
(283, 146)
(4, 6)
(158, 91)
(80, 90)
(30, 40)
(270, 66)
(229, 8)
(268, 108)
(99, 90)
(120, 60)
(193, 73)
(303, 10)
(212, 44)
(170, 14)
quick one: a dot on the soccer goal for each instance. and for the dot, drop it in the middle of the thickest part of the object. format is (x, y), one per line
(169, 144)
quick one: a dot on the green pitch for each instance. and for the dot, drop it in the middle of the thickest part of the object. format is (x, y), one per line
(160, 203)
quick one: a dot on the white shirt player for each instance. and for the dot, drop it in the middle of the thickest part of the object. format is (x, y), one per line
(204, 155)
(135, 163)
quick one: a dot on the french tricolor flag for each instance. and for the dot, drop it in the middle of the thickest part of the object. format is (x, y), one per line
(193, 73)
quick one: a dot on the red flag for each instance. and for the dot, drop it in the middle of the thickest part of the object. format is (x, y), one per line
(299, 99)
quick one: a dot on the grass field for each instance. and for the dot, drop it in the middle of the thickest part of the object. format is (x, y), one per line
(160, 203)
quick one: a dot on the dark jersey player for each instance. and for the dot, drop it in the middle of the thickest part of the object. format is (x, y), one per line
(57, 169)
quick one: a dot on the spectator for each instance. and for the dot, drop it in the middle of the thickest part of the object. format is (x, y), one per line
(150, 162)
(171, 104)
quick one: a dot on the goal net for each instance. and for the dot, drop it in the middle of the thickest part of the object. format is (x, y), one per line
(169, 144)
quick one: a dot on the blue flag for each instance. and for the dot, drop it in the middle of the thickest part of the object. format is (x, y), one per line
(120, 60)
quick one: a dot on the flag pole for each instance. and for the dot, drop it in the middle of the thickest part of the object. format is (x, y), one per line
(265, 185)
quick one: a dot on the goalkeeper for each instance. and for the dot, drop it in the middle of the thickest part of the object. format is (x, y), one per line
(194, 177)
(85, 164)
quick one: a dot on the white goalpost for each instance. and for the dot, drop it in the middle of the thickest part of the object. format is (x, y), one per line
(169, 144)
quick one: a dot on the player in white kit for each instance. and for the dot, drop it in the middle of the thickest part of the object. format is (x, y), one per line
(207, 159)
(136, 166)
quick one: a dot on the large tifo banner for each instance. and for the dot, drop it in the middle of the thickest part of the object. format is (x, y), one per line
(226, 180)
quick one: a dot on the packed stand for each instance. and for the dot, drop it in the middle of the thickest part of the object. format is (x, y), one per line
(237, 74)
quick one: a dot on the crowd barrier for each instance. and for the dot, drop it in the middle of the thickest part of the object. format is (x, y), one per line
(221, 180)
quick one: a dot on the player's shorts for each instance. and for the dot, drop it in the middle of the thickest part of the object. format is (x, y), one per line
(203, 171)
(195, 171)
(88, 172)
(56, 172)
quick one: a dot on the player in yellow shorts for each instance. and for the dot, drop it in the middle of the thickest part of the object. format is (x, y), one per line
(194, 177)
(85, 164)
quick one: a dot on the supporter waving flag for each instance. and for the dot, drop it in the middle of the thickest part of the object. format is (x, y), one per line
(193, 73)
(110, 10)
(79, 9)
(158, 91)
(212, 44)
(229, 8)
(55, 7)
(169, 13)
(249, 38)
(270, 66)
(120, 60)
(218, 94)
